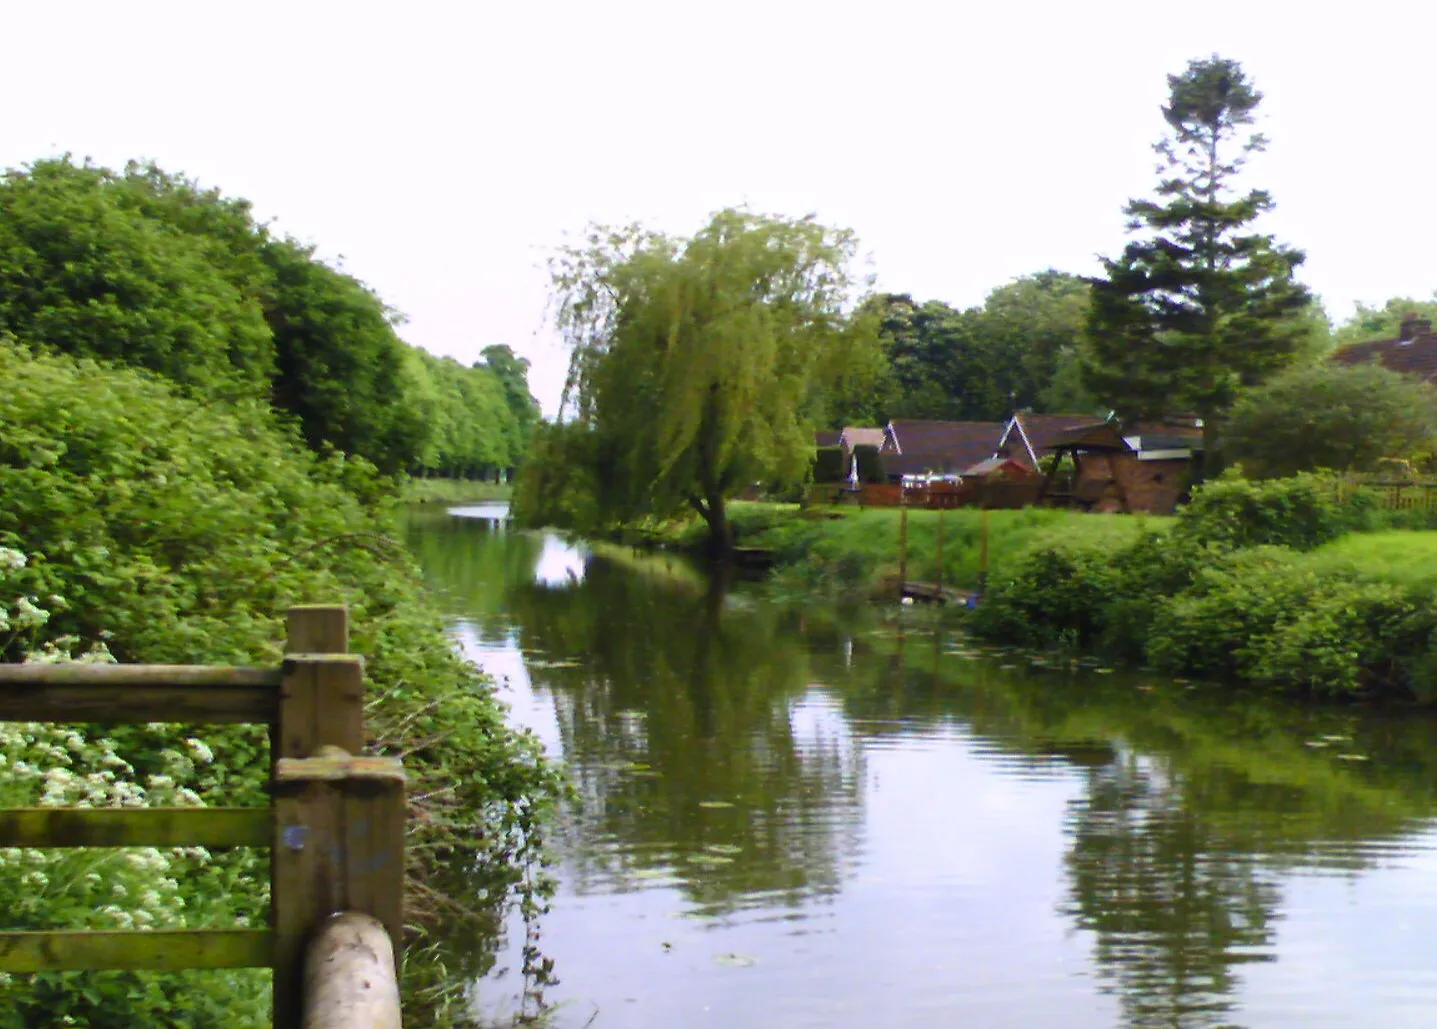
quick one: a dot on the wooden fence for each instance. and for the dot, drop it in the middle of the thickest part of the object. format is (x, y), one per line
(1392, 494)
(335, 828)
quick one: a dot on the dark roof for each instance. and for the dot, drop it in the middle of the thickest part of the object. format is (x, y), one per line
(1043, 430)
(1093, 436)
(826, 438)
(955, 439)
(994, 464)
(1416, 356)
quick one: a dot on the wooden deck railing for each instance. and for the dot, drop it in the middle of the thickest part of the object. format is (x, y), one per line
(335, 829)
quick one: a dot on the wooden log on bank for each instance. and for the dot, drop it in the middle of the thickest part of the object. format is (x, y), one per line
(349, 978)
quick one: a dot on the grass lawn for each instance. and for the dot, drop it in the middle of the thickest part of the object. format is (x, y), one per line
(1402, 556)
(854, 546)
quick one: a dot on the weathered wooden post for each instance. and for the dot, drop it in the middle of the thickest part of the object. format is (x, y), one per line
(349, 976)
(902, 544)
(322, 696)
(983, 552)
(321, 706)
(939, 590)
(339, 847)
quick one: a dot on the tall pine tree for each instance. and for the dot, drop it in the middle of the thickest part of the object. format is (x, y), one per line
(1199, 304)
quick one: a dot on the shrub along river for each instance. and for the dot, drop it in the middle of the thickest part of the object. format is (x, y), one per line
(793, 818)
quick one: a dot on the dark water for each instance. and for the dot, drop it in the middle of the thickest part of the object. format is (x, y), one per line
(794, 819)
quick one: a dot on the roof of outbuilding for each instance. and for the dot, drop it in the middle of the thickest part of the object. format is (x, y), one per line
(1416, 356)
(861, 436)
(925, 437)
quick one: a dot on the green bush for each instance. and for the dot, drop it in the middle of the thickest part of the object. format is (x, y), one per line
(1348, 638)
(1301, 512)
(1152, 568)
(180, 531)
(1219, 626)
(829, 465)
(1055, 592)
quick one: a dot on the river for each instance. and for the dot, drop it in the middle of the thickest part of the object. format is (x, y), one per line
(800, 818)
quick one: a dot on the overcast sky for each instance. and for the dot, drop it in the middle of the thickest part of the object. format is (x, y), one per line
(444, 148)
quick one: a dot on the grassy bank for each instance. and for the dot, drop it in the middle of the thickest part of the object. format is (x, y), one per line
(846, 553)
(454, 491)
(1275, 585)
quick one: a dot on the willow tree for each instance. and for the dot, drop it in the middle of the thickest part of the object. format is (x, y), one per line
(1199, 305)
(701, 365)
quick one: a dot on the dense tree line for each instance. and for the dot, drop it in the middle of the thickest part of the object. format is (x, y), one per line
(148, 269)
(1018, 350)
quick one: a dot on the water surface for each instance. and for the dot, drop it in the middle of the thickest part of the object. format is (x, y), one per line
(800, 818)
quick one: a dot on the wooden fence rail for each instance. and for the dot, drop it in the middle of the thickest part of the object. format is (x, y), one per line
(335, 830)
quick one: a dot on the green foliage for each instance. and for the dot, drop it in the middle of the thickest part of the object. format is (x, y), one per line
(700, 365)
(1201, 305)
(1301, 512)
(1331, 416)
(179, 531)
(829, 465)
(1056, 593)
(1220, 597)
(1019, 350)
(339, 361)
(146, 269)
(1369, 323)
(85, 270)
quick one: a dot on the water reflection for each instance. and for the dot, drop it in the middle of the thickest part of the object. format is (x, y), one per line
(793, 819)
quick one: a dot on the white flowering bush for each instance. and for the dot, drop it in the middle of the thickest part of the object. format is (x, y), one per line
(43, 765)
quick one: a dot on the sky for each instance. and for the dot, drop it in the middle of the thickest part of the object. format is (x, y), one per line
(441, 151)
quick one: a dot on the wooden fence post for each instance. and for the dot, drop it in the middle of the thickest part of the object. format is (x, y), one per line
(322, 697)
(941, 510)
(321, 704)
(902, 546)
(338, 846)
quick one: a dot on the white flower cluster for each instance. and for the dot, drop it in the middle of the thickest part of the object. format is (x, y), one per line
(58, 766)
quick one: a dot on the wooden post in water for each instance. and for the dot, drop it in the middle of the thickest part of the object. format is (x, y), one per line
(902, 545)
(983, 552)
(940, 553)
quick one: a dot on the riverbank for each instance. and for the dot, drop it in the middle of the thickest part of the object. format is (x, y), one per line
(454, 491)
(1277, 585)
(848, 554)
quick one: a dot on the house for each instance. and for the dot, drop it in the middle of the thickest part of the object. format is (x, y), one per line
(1413, 351)
(914, 448)
(1146, 468)
(827, 438)
(1030, 437)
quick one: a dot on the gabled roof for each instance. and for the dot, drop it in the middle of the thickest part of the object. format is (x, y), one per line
(994, 464)
(922, 437)
(859, 436)
(1027, 435)
(1414, 355)
(826, 438)
(1098, 436)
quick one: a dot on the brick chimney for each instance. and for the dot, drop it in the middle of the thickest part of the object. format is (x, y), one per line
(1412, 327)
